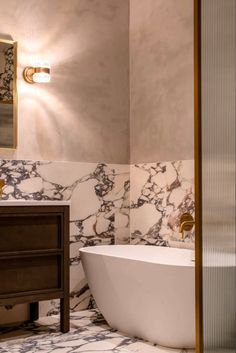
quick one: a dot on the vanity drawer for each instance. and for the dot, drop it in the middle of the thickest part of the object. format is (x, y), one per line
(30, 232)
(27, 274)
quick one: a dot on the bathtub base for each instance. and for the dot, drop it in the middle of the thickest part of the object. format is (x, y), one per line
(152, 301)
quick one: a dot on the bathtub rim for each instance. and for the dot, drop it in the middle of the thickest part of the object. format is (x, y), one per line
(187, 262)
(212, 262)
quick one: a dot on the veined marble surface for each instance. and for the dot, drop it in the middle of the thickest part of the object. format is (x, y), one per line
(99, 212)
(101, 207)
(6, 73)
(89, 333)
(160, 193)
(33, 203)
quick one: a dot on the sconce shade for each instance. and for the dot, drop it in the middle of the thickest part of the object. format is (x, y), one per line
(36, 74)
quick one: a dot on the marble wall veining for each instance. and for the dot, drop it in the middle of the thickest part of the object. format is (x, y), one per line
(99, 212)
(83, 114)
(160, 193)
(161, 80)
(6, 94)
(6, 74)
(110, 204)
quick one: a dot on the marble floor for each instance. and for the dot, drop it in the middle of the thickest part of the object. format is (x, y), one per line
(89, 334)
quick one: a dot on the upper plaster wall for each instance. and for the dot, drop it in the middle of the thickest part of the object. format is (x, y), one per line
(161, 80)
(83, 114)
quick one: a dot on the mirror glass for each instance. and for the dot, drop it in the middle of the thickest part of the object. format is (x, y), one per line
(8, 95)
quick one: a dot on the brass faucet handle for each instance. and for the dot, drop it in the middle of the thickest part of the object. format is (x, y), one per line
(186, 223)
(2, 184)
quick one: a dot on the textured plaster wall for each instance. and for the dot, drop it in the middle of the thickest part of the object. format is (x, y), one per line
(83, 114)
(161, 80)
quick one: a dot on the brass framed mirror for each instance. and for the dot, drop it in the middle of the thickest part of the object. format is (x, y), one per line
(8, 94)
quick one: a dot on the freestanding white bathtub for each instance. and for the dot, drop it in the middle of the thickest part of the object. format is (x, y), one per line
(144, 291)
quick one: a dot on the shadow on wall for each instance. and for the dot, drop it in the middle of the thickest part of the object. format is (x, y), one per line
(6, 36)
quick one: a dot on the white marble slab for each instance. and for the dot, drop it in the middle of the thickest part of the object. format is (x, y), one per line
(101, 207)
(34, 203)
(160, 193)
(99, 212)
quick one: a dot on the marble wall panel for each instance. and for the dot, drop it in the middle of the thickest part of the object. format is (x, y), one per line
(99, 212)
(160, 193)
(102, 210)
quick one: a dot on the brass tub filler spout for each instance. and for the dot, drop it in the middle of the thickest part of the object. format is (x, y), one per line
(2, 184)
(186, 223)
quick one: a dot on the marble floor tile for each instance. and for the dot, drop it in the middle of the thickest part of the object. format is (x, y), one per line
(89, 333)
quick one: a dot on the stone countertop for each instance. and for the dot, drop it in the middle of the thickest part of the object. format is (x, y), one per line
(33, 203)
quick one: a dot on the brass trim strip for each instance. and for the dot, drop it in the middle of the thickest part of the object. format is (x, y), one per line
(7, 41)
(198, 176)
(15, 98)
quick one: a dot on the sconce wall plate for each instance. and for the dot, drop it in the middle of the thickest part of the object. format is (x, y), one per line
(30, 71)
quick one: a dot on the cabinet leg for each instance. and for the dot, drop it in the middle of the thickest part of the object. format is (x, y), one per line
(64, 315)
(34, 311)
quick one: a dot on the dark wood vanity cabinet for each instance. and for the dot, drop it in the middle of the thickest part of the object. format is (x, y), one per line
(34, 257)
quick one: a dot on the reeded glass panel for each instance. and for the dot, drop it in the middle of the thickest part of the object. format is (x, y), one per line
(218, 174)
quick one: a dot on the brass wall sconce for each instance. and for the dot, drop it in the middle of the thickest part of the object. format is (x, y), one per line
(37, 74)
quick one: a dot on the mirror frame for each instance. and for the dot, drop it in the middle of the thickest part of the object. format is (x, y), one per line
(15, 102)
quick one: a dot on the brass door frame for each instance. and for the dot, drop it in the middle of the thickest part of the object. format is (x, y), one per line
(198, 176)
